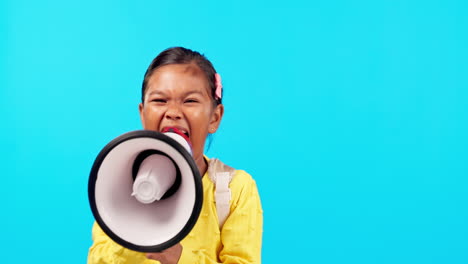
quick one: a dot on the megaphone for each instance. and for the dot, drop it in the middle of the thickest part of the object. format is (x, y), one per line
(145, 190)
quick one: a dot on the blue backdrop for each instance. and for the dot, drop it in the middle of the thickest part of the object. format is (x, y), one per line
(352, 117)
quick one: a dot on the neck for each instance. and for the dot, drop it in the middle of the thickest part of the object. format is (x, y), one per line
(201, 164)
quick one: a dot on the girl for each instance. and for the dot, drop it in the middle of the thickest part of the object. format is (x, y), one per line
(182, 89)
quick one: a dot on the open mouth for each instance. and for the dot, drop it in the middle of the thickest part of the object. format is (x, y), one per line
(178, 130)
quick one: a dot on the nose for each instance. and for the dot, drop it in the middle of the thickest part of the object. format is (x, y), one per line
(173, 112)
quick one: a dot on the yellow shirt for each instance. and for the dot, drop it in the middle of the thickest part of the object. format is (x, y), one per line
(239, 240)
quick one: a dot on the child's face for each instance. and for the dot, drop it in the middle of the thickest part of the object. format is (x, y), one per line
(177, 96)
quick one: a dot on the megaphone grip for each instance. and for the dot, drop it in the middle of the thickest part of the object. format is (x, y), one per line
(175, 179)
(155, 176)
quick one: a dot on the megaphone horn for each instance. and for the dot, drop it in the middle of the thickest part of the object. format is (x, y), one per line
(145, 189)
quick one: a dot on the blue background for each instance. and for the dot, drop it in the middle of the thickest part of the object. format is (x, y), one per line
(352, 117)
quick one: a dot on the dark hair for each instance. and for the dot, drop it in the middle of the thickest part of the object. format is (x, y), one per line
(180, 55)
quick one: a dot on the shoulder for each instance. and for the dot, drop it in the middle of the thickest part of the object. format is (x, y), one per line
(241, 177)
(243, 187)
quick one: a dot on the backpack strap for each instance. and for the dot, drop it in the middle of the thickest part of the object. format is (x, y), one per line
(221, 175)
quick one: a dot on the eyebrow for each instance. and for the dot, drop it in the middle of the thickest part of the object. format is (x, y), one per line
(156, 92)
(193, 92)
(185, 94)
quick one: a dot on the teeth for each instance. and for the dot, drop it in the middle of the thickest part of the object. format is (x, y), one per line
(185, 132)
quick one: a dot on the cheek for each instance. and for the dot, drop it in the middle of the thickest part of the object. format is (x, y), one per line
(151, 118)
(201, 120)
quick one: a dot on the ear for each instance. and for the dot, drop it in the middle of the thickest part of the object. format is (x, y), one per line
(216, 118)
(140, 109)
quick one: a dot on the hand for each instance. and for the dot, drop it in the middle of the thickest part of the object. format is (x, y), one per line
(168, 256)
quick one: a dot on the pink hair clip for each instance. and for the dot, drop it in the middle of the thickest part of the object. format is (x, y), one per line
(219, 86)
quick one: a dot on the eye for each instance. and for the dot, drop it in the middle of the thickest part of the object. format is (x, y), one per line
(158, 100)
(191, 100)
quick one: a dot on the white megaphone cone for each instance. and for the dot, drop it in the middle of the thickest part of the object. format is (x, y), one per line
(145, 189)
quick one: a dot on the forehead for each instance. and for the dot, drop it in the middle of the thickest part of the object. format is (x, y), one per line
(178, 77)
